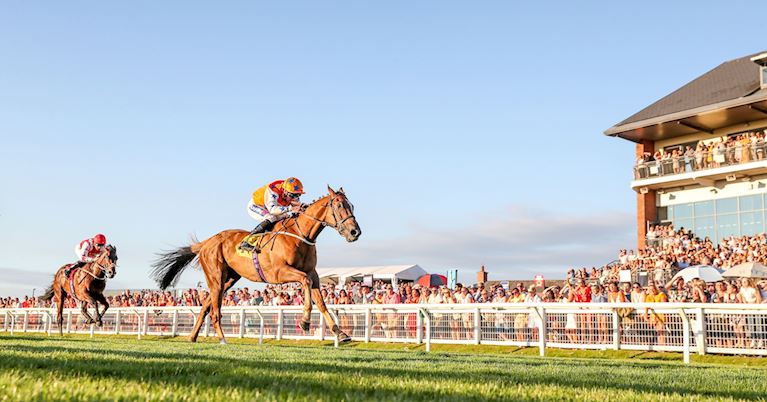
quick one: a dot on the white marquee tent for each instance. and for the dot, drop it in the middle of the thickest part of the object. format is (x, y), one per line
(388, 273)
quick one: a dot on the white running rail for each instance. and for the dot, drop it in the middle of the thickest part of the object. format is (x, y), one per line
(674, 327)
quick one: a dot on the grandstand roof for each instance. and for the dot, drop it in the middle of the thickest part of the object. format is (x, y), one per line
(728, 94)
(400, 272)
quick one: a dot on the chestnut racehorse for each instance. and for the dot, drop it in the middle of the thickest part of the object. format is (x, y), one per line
(287, 255)
(89, 284)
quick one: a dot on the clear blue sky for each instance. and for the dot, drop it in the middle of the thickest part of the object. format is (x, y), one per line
(466, 133)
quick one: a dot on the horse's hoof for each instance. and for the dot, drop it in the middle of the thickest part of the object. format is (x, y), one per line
(100, 324)
(305, 325)
(223, 342)
(342, 337)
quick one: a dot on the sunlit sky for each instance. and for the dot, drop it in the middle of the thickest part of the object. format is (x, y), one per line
(465, 133)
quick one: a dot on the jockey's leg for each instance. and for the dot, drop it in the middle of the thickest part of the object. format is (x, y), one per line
(78, 264)
(266, 220)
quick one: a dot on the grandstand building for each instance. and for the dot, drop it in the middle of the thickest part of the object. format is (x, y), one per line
(701, 155)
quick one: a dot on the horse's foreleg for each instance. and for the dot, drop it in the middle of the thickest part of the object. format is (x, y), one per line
(317, 298)
(99, 315)
(84, 310)
(285, 274)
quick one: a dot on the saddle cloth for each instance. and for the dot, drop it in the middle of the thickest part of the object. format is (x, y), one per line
(253, 241)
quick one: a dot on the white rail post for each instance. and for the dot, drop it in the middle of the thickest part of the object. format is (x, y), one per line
(207, 325)
(322, 327)
(477, 326)
(174, 327)
(686, 336)
(92, 329)
(369, 323)
(616, 330)
(260, 328)
(13, 322)
(242, 322)
(139, 325)
(280, 316)
(50, 322)
(542, 331)
(419, 327)
(146, 322)
(69, 322)
(25, 323)
(428, 329)
(5, 321)
(700, 331)
(117, 321)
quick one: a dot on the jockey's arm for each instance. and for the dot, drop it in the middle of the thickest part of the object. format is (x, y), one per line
(271, 204)
(84, 252)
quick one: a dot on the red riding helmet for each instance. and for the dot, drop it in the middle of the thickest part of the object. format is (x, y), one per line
(100, 239)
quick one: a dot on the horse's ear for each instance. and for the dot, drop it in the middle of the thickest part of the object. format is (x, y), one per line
(341, 190)
(330, 191)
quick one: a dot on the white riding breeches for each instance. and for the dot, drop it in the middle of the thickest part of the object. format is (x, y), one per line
(260, 213)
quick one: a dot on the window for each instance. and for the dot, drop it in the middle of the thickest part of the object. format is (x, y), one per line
(726, 206)
(704, 208)
(704, 227)
(751, 223)
(682, 211)
(727, 225)
(750, 202)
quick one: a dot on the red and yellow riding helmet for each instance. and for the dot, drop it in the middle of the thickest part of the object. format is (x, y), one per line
(293, 186)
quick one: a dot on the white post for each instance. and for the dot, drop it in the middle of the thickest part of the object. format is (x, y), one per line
(616, 330)
(5, 321)
(26, 321)
(428, 329)
(117, 322)
(700, 331)
(477, 326)
(242, 323)
(92, 329)
(140, 326)
(685, 336)
(279, 324)
(542, 331)
(207, 325)
(146, 321)
(50, 322)
(174, 327)
(13, 322)
(69, 322)
(419, 327)
(322, 327)
(369, 323)
(260, 329)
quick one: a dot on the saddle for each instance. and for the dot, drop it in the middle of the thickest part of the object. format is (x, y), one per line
(253, 240)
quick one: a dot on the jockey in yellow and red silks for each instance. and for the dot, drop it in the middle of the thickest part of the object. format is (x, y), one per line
(271, 203)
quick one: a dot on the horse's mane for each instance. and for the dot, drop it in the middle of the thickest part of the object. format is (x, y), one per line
(112, 252)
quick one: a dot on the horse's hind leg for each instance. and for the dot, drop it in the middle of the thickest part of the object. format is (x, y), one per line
(233, 278)
(59, 296)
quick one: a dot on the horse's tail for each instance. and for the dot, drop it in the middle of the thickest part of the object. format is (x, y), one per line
(168, 267)
(48, 295)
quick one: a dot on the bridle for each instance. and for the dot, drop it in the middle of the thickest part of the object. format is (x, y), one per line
(303, 236)
(97, 264)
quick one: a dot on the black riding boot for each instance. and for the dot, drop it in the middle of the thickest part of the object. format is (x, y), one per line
(261, 228)
(78, 264)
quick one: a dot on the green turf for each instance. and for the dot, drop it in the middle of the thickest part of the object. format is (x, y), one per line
(108, 368)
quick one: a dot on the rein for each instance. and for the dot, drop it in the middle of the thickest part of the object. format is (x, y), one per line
(303, 237)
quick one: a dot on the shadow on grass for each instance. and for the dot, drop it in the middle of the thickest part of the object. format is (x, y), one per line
(299, 378)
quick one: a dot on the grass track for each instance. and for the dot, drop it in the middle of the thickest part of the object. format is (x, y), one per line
(108, 368)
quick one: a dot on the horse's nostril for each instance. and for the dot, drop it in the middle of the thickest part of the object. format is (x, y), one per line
(354, 232)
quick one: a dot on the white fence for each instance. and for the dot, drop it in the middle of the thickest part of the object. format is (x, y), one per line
(687, 328)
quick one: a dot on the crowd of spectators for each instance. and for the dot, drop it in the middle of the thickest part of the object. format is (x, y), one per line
(706, 154)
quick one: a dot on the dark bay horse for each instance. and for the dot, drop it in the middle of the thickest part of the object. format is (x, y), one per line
(89, 284)
(287, 255)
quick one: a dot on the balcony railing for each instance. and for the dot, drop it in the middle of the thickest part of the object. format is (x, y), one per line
(701, 160)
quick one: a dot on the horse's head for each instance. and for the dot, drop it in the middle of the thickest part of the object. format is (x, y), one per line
(340, 215)
(107, 262)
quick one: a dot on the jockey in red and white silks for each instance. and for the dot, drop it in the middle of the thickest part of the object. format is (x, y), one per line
(88, 249)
